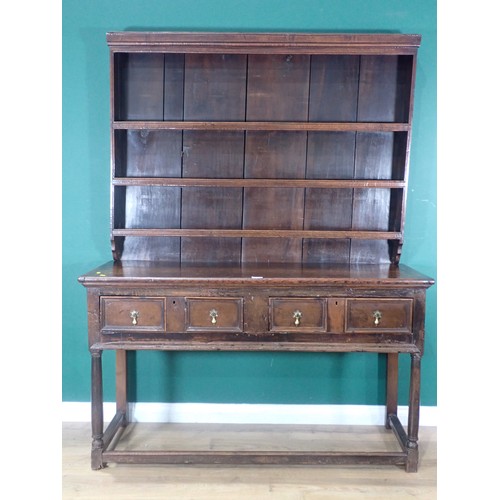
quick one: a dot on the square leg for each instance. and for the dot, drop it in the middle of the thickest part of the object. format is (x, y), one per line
(392, 387)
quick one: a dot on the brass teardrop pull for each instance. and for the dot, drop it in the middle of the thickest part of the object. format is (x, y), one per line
(297, 316)
(377, 317)
(134, 315)
(213, 314)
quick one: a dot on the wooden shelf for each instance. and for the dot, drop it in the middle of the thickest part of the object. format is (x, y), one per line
(262, 125)
(260, 233)
(259, 183)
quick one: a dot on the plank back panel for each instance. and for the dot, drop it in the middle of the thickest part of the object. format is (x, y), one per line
(218, 155)
(173, 92)
(384, 88)
(374, 153)
(152, 154)
(334, 88)
(278, 89)
(330, 155)
(215, 89)
(139, 92)
(151, 90)
(283, 155)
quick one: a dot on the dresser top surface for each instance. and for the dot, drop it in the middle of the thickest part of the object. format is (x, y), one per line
(141, 272)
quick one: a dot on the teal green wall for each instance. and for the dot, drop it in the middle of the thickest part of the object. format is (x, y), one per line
(228, 377)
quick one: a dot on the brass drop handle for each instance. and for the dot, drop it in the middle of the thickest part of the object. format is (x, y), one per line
(134, 315)
(213, 314)
(378, 316)
(297, 316)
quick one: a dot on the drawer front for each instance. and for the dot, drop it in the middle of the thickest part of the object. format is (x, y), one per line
(214, 314)
(297, 315)
(382, 315)
(130, 314)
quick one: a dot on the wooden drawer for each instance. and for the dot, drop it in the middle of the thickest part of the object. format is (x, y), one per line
(379, 315)
(214, 314)
(297, 315)
(131, 314)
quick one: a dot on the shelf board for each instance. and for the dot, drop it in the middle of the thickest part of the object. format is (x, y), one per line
(258, 183)
(263, 125)
(261, 233)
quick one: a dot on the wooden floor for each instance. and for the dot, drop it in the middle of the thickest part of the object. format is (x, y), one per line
(245, 482)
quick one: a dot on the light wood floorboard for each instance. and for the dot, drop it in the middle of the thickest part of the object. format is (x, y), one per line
(120, 481)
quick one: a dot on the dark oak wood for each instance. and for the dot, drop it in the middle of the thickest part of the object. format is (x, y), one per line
(259, 183)
(97, 411)
(392, 379)
(258, 192)
(121, 384)
(256, 458)
(258, 43)
(291, 126)
(261, 233)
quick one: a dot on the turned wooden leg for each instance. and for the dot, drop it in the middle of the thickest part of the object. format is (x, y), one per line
(97, 411)
(391, 407)
(121, 384)
(413, 414)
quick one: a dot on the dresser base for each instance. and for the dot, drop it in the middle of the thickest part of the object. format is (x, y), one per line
(316, 309)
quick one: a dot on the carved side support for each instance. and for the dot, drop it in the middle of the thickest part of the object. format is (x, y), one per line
(117, 247)
(395, 249)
